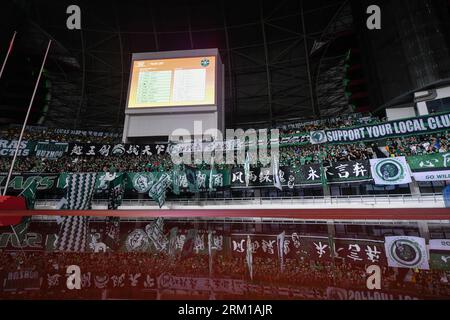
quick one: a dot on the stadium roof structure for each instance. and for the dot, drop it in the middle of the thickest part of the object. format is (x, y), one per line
(284, 60)
(276, 54)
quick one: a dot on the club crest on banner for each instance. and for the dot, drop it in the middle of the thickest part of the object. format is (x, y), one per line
(318, 137)
(142, 183)
(391, 171)
(118, 150)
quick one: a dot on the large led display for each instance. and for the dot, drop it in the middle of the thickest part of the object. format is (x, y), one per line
(172, 82)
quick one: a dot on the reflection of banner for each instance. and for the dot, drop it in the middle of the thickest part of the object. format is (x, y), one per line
(39, 236)
(390, 171)
(22, 280)
(167, 281)
(51, 150)
(431, 167)
(440, 254)
(406, 252)
(105, 150)
(8, 147)
(102, 280)
(45, 181)
(360, 251)
(413, 126)
(344, 294)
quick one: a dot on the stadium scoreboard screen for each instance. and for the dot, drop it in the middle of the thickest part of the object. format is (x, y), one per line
(173, 82)
(173, 90)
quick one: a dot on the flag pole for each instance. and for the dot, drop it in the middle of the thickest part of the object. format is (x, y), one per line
(7, 53)
(26, 120)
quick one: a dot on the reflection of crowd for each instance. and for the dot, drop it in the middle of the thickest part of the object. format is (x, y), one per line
(297, 274)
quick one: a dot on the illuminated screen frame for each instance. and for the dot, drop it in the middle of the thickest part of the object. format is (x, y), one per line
(201, 53)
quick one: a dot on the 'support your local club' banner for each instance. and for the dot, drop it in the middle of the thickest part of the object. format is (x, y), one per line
(420, 125)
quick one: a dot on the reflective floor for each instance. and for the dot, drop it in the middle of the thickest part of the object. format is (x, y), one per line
(81, 258)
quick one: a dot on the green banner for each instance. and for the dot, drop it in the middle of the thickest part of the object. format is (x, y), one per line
(45, 181)
(406, 127)
(8, 148)
(429, 162)
(141, 182)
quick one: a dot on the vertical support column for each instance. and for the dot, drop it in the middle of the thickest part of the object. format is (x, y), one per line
(424, 231)
(155, 33)
(331, 235)
(315, 109)
(326, 191)
(229, 62)
(414, 187)
(191, 40)
(267, 62)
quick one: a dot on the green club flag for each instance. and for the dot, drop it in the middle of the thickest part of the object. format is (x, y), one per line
(176, 180)
(323, 174)
(211, 175)
(29, 193)
(191, 179)
(116, 191)
(158, 189)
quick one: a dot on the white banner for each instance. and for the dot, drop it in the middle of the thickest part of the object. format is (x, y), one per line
(432, 176)
(440, 244)
(390, 171)
(406, 252)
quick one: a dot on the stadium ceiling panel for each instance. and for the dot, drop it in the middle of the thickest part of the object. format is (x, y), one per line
(275, 55)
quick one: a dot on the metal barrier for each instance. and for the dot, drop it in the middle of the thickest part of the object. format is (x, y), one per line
(332, 200)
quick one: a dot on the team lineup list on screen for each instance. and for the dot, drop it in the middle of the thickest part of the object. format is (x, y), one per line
(173, 82)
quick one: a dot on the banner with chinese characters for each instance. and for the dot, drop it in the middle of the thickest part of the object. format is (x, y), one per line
(101, 181)
(141, 182)
(105, 150)
(336, 172)
(8, 148)
(414, 126)
(262, 177)
(430, 167)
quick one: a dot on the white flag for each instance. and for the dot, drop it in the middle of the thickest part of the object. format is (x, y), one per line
(276, 173)
(390, 171)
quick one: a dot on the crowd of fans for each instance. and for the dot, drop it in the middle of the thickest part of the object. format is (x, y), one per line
(297, 273)
(330, 123)
(52, 135)
(294, 155)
